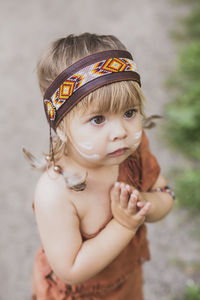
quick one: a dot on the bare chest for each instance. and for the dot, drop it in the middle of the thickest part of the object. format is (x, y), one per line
(94, 204)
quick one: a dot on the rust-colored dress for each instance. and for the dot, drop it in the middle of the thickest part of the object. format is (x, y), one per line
(122, 278)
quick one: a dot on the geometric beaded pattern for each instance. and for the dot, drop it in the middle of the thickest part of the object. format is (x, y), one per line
(85, 75)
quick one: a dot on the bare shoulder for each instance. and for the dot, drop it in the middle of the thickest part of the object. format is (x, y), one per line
(58, 223)
(51, 191)
(52, 201)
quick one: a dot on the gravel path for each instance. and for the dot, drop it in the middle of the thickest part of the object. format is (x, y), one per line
(26, 28)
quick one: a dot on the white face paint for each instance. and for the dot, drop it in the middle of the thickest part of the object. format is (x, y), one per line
(86, 145)
(137, 144)
(138, 134)
(136, 137)
(91, 157)
(90, 144)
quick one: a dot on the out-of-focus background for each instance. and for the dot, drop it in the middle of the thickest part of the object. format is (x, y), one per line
(163, 36)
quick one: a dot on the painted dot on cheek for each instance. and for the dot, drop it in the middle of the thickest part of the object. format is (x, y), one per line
(138, 134)
(137, 144)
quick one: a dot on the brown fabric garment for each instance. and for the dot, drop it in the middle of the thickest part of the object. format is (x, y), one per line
(122, 279)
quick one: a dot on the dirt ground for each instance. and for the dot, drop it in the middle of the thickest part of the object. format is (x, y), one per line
(26, 28)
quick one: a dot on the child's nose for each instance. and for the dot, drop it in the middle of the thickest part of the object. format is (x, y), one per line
(117, 131)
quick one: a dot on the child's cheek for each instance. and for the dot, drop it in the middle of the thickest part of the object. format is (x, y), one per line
(138, 134)
(136, 140)
(87, 150)
(86, 145)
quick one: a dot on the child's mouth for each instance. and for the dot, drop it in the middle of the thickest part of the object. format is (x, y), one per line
(118, 152)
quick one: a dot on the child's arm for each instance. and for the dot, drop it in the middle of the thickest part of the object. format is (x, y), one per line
(161, 203)
(72, 260)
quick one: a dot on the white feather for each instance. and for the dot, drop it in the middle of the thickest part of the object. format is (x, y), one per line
(38, 163)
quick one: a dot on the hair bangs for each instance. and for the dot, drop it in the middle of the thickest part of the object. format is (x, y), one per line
(113, 98)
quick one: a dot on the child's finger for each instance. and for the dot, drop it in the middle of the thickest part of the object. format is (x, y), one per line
(132, 203)
(124, 196)
(142, 213)
(129, 189)
(140, 204)
(115, 192)
(136, 192)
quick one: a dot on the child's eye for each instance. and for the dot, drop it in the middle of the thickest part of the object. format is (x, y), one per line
(129, 113)
(97, 120)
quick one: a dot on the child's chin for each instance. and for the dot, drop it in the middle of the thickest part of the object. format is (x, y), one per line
(117, 160)
(134, 149)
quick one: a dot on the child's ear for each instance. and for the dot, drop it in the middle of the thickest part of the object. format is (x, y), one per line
(61, 135)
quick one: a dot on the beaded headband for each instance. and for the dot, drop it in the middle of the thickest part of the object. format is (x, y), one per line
(85, 76)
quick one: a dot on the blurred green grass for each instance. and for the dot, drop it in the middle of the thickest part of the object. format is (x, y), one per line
(182, 129)
(191, 293)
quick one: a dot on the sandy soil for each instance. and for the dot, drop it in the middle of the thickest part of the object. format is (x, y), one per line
(26, 28)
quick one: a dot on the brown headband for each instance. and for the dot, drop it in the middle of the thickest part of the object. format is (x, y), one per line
(85, 76)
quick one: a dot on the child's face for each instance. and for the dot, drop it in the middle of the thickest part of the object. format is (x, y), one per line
(94, 137)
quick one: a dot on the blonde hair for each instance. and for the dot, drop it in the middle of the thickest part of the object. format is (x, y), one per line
(114, 97)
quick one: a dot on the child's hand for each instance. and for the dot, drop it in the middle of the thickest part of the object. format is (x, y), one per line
(124, 206)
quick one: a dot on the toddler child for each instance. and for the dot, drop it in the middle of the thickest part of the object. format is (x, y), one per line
(100, 182)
